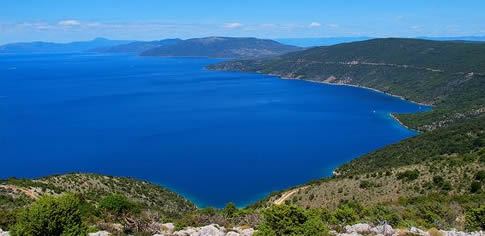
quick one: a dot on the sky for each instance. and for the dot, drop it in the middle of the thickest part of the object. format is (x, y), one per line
(77, 20)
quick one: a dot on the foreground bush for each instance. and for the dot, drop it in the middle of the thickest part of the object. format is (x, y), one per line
(50, 216)
(291, 220)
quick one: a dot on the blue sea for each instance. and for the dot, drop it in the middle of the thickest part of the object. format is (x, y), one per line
(214, 137)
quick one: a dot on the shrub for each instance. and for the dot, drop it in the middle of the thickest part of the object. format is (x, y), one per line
(230, 209)
(365, 184)
(475, 187)
(291, 220)
(480, 175)
(50, 216)
(475, 219)
(408, 175)
(119, 205)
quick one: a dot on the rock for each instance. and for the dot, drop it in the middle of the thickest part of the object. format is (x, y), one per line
(349, 234)
(417, 231)
(232, 233)
(4, 233)
(211, 230)
(244, 231)
(168, 227)
(358, 228)
(453, 232)
(187, 232)
(100, 233)
(384, 229)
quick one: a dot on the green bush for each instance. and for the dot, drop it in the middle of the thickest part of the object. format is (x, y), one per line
(475, 219)
(408, 175)
(480, 175)
(291, 220)
(119, 205)
(50, 216)
(475, 187)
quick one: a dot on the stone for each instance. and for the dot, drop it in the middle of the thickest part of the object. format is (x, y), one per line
(358, 228)
(417, 231)
(384, 229)
(244, 231)
(100, 233)
(168, 227)
(232, 233)
(211, 230)
(187, 232)
(4, 233)
(349, 234)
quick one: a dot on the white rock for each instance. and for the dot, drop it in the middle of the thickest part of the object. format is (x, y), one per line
(211, 230)
(349, 234)
(383, 229)
(100, 233)
(168, 227)
(187, 232)
(358, 228)
(417, 231)
(232, 233)
(244, 232)
(453, 232)
(4, 233)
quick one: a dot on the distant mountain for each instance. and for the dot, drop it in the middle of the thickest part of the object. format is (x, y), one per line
(222, 47)
(136, 47)
(449, 75)
(47, 47)
(313, 42)
(462, 38)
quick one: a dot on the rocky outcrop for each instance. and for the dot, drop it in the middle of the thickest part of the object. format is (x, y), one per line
(214, 230)
(387, 230)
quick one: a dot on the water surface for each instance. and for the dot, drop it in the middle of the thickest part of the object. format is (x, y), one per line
(212, 136)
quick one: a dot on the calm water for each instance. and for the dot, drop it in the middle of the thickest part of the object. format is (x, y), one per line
(214, 137)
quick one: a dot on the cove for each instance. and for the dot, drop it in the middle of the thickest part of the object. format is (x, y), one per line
(214, 137)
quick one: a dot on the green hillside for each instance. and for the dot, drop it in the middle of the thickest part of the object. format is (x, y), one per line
(448, 75)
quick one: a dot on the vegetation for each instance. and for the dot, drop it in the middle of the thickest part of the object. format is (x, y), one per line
(449, 75)
(103, 201)
(51, 216)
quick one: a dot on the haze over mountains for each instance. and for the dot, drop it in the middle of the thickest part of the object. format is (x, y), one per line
(214, 47)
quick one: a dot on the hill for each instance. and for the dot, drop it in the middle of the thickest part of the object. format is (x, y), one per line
(136, 47)
(448, 75)
(47, 47)
(222, 47)
(15, 193)
(440, 173)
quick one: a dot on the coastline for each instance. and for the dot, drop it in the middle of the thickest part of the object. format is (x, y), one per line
(356, 86)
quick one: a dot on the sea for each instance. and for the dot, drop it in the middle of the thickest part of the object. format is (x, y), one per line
(213, 137)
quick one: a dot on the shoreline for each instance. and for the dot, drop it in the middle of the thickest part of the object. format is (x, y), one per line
(355, 86)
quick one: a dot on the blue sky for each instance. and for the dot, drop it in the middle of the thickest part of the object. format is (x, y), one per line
(71, 20)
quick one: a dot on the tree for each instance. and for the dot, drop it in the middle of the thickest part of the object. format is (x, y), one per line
(51, 216)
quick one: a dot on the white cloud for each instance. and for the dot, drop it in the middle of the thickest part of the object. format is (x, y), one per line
(69, 22)
(335, 26)
(315, 24)
(233, 25)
